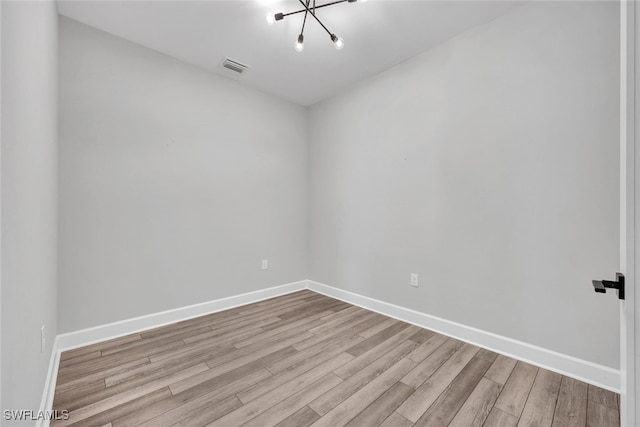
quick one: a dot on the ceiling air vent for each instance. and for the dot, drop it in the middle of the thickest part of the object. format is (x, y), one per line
(235, 66)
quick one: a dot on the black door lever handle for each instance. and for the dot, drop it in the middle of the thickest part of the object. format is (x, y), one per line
(598, 286)
(601, 286)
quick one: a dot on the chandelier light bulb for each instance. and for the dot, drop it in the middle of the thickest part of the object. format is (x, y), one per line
(337, 41)
(271, 19)
(299, 46)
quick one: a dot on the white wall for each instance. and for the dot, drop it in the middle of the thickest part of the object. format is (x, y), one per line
(1, 207)
(489, 166)
(174, 183)
(29, 198)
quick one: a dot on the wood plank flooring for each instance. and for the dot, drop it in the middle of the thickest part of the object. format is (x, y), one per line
(304, 359)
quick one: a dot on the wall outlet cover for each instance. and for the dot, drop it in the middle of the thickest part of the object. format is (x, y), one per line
(414, 280)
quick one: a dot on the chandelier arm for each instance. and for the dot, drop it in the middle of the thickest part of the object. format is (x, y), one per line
(304, 21)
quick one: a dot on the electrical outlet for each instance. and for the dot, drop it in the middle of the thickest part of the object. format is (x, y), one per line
(414, 280)
(43, 340)
(265, 264)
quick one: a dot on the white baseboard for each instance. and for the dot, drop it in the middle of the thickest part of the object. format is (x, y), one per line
(100, 333)
(592, 373)
(50, 384)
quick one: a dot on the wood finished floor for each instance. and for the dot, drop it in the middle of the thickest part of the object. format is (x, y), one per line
(305, 359)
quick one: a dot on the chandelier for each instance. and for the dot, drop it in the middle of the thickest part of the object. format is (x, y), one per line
(310, 8)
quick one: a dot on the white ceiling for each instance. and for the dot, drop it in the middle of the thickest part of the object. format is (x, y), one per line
(378, 34)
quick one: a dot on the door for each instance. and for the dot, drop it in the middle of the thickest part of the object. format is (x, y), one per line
(629, 211)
